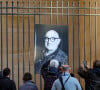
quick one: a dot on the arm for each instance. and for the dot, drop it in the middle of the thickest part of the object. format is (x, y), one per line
(44, 69)
(82, 72)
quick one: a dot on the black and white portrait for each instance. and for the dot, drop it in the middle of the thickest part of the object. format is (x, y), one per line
(51, 42)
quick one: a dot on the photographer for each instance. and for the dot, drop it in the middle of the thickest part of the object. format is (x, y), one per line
(50, 72)
(91, 76)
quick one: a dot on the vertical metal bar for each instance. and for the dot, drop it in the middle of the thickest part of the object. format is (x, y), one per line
(57, 12)
(51, 11)
(29, 31)
(40, 23)
(73, 40)
(23, 41)
(45, 11)
(34, 40)
(79, 32)
(12, 46)
(68, 24)
(18, 39)
(84, 34)
(95, 30)
(7, 29)
(90, 35)
(68, 12)
(62, 12)
(1, 39)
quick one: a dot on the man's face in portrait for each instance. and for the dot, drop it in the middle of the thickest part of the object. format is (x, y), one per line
(52, 40)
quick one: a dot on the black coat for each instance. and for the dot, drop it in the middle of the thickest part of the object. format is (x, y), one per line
(49, 75)
(92, 78)
(7, 84)
(58, 55)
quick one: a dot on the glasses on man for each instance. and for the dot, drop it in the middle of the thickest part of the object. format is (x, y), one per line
(52, 39)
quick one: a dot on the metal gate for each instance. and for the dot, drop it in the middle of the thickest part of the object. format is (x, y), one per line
(17, 20)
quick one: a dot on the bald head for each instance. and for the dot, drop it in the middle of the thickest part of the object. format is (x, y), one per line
(66, 68)
(52, 33)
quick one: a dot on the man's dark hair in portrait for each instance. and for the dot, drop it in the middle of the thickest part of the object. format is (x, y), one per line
(52, 42)
(91, 76)
(5, 82)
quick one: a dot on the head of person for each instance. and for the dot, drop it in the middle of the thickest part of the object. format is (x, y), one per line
(66, 68)
(27, 77)
(52, 40)
(54, 63)
(6, 72)
(96, 64)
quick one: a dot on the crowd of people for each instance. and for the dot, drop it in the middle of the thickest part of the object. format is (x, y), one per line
(56, 77)
(7, 84)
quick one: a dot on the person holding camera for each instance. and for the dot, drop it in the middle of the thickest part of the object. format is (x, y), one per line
(91, 76)
(50, 71)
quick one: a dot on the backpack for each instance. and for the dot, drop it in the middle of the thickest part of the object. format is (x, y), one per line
(61, 81)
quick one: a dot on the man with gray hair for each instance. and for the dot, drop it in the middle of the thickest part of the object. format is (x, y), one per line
(50, 72)
(54, 63)
(66, 82)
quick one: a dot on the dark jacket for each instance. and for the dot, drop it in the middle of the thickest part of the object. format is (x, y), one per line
(49, 75)
(92, 78)
(58, 54)
(7, 84)
(29, 85)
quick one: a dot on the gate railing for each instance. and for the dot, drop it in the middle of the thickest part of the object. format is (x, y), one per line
(17, 20)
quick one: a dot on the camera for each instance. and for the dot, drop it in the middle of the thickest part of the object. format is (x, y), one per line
(85, 63)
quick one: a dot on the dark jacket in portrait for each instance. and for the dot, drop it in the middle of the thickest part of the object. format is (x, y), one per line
(7, 84)
(58, 54)
(92, 78)
(49, 74)
(29, 85)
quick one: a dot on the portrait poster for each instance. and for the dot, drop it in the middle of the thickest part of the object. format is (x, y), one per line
(51, 42)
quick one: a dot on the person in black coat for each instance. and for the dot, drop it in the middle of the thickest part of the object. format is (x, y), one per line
(5, 82)
(91, 76)
(50, 72)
